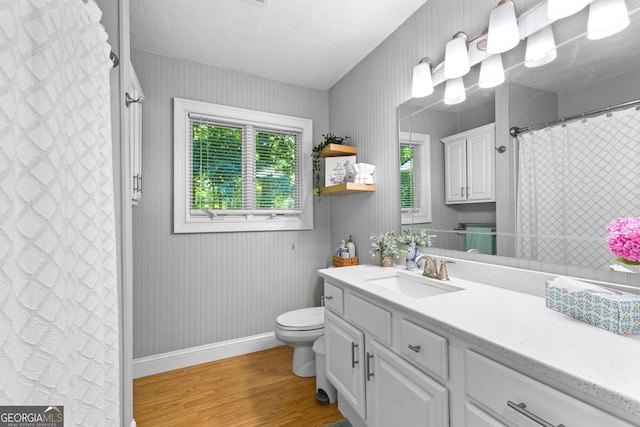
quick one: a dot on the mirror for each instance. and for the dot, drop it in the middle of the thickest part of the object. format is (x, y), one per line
(587, 75)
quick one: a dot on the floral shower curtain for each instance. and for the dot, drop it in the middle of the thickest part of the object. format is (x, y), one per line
(58, 271)
(572, 181)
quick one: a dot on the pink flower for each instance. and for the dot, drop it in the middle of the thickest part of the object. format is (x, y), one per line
(623, 238)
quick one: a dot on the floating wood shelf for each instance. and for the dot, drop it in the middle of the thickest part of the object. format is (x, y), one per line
(346, 188)
(334, 150)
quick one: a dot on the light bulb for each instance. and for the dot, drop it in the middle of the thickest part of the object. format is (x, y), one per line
(456, 57)
(558, 9)
(541, 48)
(491, 72)
(454, 92)
(607, 17)
(503, 34)
(422, 83)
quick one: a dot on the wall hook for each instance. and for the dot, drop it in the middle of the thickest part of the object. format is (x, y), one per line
(128, 100)
(501, 149)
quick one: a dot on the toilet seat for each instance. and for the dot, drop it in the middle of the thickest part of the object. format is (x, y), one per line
(305, 319)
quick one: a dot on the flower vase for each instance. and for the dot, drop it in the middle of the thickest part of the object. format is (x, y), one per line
(386, 261)
(412, 254)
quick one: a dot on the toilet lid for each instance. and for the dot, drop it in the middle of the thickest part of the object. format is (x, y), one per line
(305, 319)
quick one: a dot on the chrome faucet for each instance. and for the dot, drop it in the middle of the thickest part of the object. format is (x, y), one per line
(431, 267)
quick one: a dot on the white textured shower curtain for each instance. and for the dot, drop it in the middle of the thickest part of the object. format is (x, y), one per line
(58, 271)
(572, 182)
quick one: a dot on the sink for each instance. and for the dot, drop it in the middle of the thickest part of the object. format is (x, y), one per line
(415, 287)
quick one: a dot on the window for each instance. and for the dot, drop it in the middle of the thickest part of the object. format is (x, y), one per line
(240, 170)
(415, 180)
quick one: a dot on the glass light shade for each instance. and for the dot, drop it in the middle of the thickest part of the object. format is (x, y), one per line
(503, 29)
(422, 83)
(607, 17)
(541, 48)
(491, 72)
(456, 58)
(454, 92)
(558, 9)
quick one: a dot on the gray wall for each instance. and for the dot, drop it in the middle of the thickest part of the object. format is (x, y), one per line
(195, 289)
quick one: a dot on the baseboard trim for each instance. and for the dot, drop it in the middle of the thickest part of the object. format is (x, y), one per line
(179, 359)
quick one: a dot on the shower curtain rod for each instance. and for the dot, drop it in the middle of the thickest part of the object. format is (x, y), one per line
(515, 131)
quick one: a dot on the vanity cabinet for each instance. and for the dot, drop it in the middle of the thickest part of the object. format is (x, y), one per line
(470, 166)
(373, 380)
(520, 400)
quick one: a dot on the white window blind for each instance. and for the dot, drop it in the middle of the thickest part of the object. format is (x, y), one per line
(415, 178)
(240, 167)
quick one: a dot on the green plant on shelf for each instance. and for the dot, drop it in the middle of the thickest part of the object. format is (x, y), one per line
(317, 150)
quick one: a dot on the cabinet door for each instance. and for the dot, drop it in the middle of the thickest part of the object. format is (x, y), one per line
(401, 395)
(344, 359)
(455, 171)
(481, 166)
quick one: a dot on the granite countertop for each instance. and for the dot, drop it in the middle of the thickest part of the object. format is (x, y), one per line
(518, 327)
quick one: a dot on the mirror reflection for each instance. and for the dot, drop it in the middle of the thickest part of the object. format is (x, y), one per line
(549, 194)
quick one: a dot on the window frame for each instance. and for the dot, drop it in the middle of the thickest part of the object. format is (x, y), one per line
(186, 222)
(422, 214)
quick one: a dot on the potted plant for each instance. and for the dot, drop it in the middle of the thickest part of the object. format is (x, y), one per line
(385, 244)
(315, 153)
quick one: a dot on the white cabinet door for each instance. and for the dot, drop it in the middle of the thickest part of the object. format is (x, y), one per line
(344, 360)
(470, 166)
(401, 395)
(480, 166)
(455, 158)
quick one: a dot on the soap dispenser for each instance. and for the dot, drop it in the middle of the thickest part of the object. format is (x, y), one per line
(351, 247)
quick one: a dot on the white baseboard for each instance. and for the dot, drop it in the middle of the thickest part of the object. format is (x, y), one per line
(179, 359)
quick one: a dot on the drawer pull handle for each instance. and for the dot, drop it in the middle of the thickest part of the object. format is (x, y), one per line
(369, 373)
(415, 348)
(520, 407)
(354, 362)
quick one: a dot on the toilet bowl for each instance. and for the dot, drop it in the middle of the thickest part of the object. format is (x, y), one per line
(300, 329)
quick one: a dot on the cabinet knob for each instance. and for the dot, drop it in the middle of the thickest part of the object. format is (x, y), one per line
(520, 407)
(461, 191)
(328, 297)
(415, 348)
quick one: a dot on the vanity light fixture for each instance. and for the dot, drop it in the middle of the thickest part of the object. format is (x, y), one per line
(422, 83)
(456, 56)
(503, 34)
(558, 9)
(491, 72)
(607, 17)
(454, 92)
(541, 48)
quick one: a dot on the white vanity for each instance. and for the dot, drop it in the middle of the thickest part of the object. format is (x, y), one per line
(405, 350)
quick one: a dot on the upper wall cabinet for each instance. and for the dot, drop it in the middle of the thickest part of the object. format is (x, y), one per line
(134, 98)
(470, 166)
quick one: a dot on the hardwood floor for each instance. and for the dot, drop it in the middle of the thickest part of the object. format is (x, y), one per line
(257, 389)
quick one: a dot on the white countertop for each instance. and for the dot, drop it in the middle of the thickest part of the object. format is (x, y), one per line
(581, 356)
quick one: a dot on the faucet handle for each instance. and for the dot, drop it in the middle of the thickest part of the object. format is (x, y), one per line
(442, 273)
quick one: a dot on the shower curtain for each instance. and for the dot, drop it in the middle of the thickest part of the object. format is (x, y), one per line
(58, 270)
(573, 180)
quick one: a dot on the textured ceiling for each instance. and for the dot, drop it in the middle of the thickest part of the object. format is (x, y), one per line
(311, 43)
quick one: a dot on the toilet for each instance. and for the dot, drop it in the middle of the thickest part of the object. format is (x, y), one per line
(300, 329)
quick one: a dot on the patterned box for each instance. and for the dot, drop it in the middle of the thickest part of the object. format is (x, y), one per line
(617, 313)
(336, 170)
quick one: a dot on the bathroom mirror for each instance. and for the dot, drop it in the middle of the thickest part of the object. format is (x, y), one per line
(587, 75)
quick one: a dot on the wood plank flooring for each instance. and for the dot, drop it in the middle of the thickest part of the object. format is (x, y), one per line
(252, 390)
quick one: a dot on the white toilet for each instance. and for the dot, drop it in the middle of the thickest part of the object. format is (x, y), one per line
(299, 329)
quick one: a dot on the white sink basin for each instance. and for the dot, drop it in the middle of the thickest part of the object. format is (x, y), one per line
(415, 287)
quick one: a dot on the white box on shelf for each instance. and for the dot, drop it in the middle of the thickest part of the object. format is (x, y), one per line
(337, 171)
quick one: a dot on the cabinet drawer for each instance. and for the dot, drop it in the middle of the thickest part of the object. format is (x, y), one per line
(333, 298)
(424, 347)
(369, 316)
(493, 385)
(476, 417)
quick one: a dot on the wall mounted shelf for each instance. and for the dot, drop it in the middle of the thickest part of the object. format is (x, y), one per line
(334, 150)
(346, 188)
